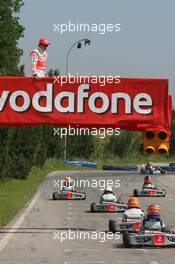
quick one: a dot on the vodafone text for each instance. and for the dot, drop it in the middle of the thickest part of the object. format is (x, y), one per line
(142, 102)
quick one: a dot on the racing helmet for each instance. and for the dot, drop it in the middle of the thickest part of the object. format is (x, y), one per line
(68, 179)
(149, 163)
(147, 180)
(153, 210)
(133, 203)
(108, 189)
(44, 42)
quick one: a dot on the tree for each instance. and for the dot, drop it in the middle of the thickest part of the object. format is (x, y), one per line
(11, 31)
(53, 72)
(10, 54)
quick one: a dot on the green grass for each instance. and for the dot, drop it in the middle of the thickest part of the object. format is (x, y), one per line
(134, 160)
(14, 194)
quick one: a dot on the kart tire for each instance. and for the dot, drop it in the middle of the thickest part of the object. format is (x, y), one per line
(164, 194)
(111, 226)
(143, 172)
(162, 172)
(93, 207)
(84, 198)
(126, 241)
(53, 196)
(136, 193)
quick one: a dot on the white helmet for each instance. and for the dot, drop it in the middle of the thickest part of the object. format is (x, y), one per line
(108, 189)
(68, 179)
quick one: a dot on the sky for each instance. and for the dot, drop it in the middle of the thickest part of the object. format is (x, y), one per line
(144, 47)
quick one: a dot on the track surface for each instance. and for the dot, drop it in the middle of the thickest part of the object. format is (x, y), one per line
(34, 240)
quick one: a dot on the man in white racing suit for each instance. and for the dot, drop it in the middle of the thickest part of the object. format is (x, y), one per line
(133, 211)
(38, 59)
(153, 220)
(148, 183)
(108, 196)
(68, 184)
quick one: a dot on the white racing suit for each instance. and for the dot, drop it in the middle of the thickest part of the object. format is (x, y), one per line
(148, 186)
(68, 187)
(109, 197)
(132, 214)
(153, 224)
(38, 60)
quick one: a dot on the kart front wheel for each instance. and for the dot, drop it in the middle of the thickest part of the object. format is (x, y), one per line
(93, 207)
(84, 198)
(126, 241)
(136, 193)
(111, 226)
(53, 196)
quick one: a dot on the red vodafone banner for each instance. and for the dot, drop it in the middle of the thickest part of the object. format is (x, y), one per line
(131, 104)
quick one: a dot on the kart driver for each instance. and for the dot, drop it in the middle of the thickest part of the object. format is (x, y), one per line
(150, 167)
(68, 184)
(38, 58)
(153, 220)
(133, 211)
(148, 183)
(108, 195)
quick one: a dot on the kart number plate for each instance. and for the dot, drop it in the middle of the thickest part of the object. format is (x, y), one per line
(111, 207)
(159, 239)
(137, 226)
(69, 195)
(151, 193)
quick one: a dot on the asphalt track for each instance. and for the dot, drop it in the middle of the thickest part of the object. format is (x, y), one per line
(33, 237)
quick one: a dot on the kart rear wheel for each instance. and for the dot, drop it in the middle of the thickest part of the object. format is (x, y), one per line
(84, 198)
(136, 193)
(111, 226)
(126, 241)
(164, 194)
(93, 207)
(53, 196)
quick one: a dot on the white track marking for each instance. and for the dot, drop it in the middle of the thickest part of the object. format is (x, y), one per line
(127, 262)
(127, 249)
(4, 241)
(79, 249)
(85, 262)
(98, 249)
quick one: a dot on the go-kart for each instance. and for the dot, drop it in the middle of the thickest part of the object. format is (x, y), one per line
(121, 226)
(109, 207)
(149, 192)
(156, 170)
(149, 238)
(69, 195)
